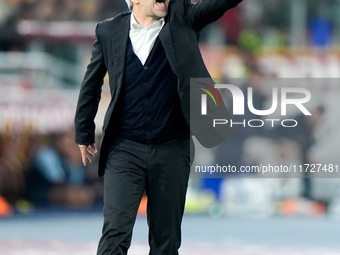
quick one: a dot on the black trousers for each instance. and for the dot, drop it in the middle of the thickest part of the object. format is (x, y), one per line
(162, 170)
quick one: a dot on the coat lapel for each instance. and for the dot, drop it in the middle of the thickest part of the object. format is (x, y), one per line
(166, 39)
(119, 44)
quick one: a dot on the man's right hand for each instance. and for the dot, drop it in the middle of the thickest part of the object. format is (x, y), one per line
(87, 151)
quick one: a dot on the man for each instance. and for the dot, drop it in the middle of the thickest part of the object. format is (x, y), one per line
(150, 55)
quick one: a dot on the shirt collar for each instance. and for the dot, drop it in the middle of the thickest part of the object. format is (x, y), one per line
(135, 26)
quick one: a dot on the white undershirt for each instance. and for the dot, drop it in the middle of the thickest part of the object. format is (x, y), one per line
(143, 38)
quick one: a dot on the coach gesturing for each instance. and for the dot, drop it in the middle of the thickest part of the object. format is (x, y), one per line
(150, 55)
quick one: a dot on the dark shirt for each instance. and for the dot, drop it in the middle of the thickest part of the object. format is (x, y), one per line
(150, 109)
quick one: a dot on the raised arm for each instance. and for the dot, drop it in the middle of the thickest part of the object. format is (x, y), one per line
(89, 96)
(204, 12)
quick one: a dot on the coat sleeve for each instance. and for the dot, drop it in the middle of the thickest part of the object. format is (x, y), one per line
(89, 95)
(204, 12)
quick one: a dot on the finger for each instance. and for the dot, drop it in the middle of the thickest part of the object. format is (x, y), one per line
(93, 148)
(84, 156)
(84, 160)
(90, 151)
(88, 159)
(90, 148)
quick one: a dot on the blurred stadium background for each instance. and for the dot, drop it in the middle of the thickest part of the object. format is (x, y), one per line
(51, 204)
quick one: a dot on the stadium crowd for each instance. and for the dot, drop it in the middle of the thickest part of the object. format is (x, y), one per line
(45, 169)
